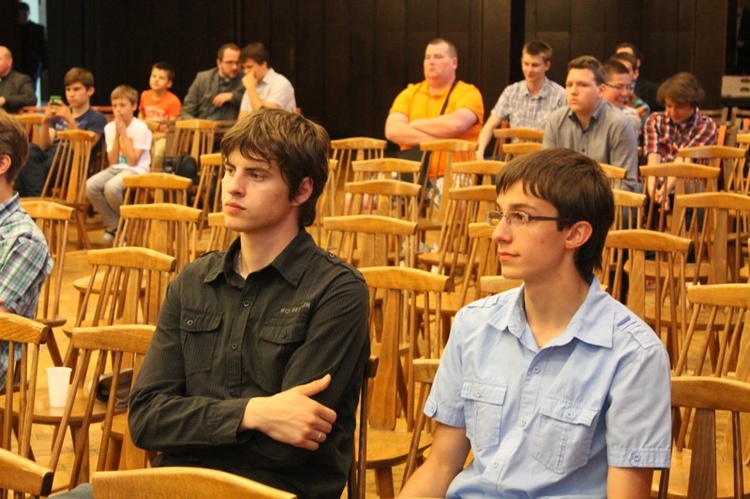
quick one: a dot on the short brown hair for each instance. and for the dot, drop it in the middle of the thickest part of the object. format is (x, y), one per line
(615, 67)
(79, 75)
(224, 48)
(299, 146)
(538, 48)
(627, 57)
(125, 92)
(682, 88)
(256, 52)
(166, 67)
(14, 142)
(451, 48)
(576, 186)
(589, 62)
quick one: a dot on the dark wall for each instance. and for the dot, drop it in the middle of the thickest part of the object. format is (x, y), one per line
(349, 58)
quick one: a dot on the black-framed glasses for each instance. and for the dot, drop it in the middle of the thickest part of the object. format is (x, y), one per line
(520, 218)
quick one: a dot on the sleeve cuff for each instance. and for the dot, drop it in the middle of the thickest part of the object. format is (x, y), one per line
(624, 457)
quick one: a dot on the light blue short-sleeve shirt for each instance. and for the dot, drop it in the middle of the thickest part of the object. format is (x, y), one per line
(549, 422)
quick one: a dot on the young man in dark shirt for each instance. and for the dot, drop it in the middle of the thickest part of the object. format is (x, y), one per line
(256, 362)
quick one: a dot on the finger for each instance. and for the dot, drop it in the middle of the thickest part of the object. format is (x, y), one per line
(314, 387)
(327, 414)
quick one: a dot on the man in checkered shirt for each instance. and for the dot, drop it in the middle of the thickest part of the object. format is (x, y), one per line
(24, 256)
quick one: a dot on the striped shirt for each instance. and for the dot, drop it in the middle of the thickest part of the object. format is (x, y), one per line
(24, 264)
(663, 136)
(517, 105)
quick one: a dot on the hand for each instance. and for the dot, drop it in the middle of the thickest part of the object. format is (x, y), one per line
(291, 416)
(2, 101)
(222, 98)
(63, 112)
(249, 81)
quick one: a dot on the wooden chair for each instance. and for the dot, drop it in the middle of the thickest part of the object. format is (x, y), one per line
(219, 236)
(509, 135)
(356, 486)
(628, 209)
(424, 375)
(442, 154)
(689, 178)
(479, 172)
(326, 205)
(32, 122)
(615, 174)
(193, 137)
(701, 471)
(515, 149)
(371, 240)
(494, 284)
(386, 169)
(627, 250)
(208, 192)
(52, 219)
(388, 198)
(344, 151)
(731, 161)
(156, 188)
(66, 180)
(171, 482)
(24, 475)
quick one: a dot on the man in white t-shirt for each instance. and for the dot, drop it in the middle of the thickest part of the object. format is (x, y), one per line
(264, 87)
(128, 152)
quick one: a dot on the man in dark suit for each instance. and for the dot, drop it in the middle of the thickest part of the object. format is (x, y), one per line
(16, 89)
(33, 59)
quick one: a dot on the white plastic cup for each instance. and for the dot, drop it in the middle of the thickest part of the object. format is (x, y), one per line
(58, 379)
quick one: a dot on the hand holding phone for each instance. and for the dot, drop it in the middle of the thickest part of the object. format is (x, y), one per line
(55, 100)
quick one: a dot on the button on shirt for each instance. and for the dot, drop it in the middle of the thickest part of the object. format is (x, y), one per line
(548, 422)
(609, 138)
(521, 109)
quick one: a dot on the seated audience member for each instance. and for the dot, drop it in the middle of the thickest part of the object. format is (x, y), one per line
(257, 360)
(591, 125)
(636, 102)
(618, 88)
(643, 88)
(440, 107)
(215, 94)
(160, 105)
(24, 258)
(16, 89)
(264, 87)
(680, 125)
(526, 103)
(556, 388)
(128, 152)
(77, 115)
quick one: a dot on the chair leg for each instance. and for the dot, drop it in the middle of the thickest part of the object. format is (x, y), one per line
(54, 349)
(384, 482)
(83, 236)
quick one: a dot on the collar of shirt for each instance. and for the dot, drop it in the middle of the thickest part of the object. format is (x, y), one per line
(9, 207)
(596, 307)
(594, 117)
(687, 124)
(290, 263)
(543, 93)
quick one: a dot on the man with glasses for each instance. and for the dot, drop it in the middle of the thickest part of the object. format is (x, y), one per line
(618, 90)
(556, 388)
(592, 126)
(216, 93)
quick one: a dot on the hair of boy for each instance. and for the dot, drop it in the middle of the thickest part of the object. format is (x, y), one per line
(626, 57)
(14, 142)
(125, 92)
(79, 75)
(451, 48)
(224, 48)
(166, 67)
(682, 88)
(589, 62)
(256, 52)
(299, 147)
(614, 67)
(538, 48)
(628, 45)
(576, 186)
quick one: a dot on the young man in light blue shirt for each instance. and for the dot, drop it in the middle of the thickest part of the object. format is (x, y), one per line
(556, 388)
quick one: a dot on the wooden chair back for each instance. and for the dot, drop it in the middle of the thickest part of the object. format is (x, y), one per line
(628, 209)
(371, 240)
(615, 174)
(356, 486)
(168, 482)
(66, 180)
(494, 284)
(32, 122)
(124, 345)
(441, 154)
(393, 321)
(689, 178)
(424, 375)
(388, 198)
(24, 475)
(219, 236)
(510, 135)
(168, 228)
(386, 169)
(701, 471)
(627, 251)
(515, 149)
(193, 137)
(345, 151)
(479, 172)
(156, 188)
(23, 339)
(208, 193)
(731, 161)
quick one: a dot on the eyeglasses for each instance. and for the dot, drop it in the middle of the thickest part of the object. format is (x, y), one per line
(231, 63)
(520, 219)
(621, 87)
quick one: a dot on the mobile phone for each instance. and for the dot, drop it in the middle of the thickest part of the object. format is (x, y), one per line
(55, 100)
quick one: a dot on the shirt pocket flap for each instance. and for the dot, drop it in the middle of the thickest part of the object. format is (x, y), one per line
(483, 392)
(282, 334)
(567, 411)
(194, 321)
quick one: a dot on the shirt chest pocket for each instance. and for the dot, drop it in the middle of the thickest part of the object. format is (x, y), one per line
(200, 331)
(483, 403)
(562, 434)
(278, 341)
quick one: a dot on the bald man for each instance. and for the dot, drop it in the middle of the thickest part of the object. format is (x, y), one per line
(16, 89)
